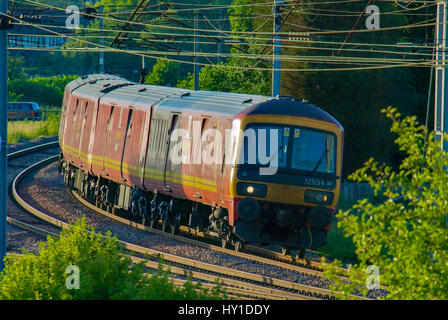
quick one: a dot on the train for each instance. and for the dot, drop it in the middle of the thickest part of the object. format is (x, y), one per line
(240, 168)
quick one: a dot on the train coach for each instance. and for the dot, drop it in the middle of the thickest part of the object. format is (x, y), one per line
(241, 168)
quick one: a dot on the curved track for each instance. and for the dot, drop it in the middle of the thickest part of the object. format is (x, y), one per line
(236, 282)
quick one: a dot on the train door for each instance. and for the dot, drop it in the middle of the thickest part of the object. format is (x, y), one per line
(126, 167)
(133, 159)
(107, 142)
(156, 152)
(221, 159)
(62, 123)
(144, 143)
(70, 127)
(93, 116)
(84, 135)
(229, 143)
(205, 161)
(172, 173)
(102, 125)
(76, 132)
(113, 151)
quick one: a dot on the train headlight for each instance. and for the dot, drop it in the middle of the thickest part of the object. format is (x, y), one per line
(318, 197)
(251, 189)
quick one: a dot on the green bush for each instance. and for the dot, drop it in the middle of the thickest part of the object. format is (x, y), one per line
(406, 239)
(338, 246)
(164, 73)
(104, 272)
(35, 91)
(46, 91)
(58, 82)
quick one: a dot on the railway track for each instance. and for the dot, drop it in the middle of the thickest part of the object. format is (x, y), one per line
(236, 282)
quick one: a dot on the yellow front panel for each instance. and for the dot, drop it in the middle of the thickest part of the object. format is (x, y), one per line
(283, 193)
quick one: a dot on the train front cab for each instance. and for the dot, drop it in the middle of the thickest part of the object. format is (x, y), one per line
(292, 207)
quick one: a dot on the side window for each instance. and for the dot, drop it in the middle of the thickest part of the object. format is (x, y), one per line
(174, 124)
(74, 111)
(110, 120)
(129, 125)
(85, 110)
(174, 121)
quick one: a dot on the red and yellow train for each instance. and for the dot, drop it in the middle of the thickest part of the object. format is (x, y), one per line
(244, 168)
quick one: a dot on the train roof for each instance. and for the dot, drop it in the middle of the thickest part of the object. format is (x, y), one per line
(114, 89)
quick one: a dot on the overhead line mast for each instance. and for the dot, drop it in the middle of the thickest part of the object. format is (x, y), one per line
(440, 98)
(4, 24)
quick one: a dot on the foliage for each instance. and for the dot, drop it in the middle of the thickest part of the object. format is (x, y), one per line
(226, 78)
(104, 272)
(12, 97)
(406, 239)
(355, 100)
(164, 73)
(236, 74)
(43, 90)
(187, 83)
(15, 67)
(338, 246)
(58, 82)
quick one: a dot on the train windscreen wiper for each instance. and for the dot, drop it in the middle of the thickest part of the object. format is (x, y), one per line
(320, 159)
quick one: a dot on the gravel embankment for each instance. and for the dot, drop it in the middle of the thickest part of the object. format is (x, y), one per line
(45, 190)
(20, 240)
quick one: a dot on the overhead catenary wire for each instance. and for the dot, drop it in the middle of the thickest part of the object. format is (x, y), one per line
(308, 33)
(369, 51)
(421, 24)
(424, 63)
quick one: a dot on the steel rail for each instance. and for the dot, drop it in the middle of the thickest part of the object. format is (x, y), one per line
(231, 286)
(262, 280)
(272, 281)
(257, 254)
(280, 260)
(258, 250)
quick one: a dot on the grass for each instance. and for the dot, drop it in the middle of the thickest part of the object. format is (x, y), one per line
(338, 245)
(27, 130)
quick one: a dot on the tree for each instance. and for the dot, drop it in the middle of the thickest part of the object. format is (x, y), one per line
(355, 98)
(82, 264)
(16, 67)
(236, 74)
(406, 239)
(164, 73)
(225, 78)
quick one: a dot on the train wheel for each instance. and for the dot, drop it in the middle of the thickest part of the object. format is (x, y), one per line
(175, 226)
(301, 253)
(224, 242)
(238, 245)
